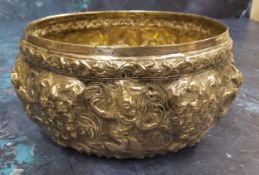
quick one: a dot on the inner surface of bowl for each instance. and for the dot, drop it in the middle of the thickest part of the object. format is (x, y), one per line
(128, 29)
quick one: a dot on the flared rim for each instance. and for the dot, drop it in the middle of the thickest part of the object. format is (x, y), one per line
(124, 50)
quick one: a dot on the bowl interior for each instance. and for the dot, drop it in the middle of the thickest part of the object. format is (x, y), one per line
(127, 28)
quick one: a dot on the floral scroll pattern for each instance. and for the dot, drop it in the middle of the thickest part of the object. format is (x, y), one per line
(144, 67)
(127, 117)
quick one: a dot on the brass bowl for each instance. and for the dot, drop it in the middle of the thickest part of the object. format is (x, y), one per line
(126, 83)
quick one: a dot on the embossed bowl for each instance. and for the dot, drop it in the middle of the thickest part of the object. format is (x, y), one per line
(126, 83)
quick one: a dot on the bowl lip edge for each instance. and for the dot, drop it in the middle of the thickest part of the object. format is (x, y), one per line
(125, 50)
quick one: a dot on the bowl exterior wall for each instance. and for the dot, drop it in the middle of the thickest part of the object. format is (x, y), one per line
(151, 107)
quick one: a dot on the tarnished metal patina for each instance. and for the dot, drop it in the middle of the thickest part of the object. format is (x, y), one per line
(126, 83)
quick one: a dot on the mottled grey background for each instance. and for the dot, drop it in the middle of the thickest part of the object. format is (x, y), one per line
(229, 148)
(31, 9)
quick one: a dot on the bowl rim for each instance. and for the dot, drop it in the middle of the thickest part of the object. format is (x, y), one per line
(125, 50)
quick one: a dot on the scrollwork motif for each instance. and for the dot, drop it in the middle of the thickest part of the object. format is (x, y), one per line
(144, 67)
(128, 117)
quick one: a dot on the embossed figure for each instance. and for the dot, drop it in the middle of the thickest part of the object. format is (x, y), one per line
(143, 95)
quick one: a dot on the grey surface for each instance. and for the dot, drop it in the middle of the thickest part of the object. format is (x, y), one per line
(212, 8)
(231, 147)
(30, 9)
